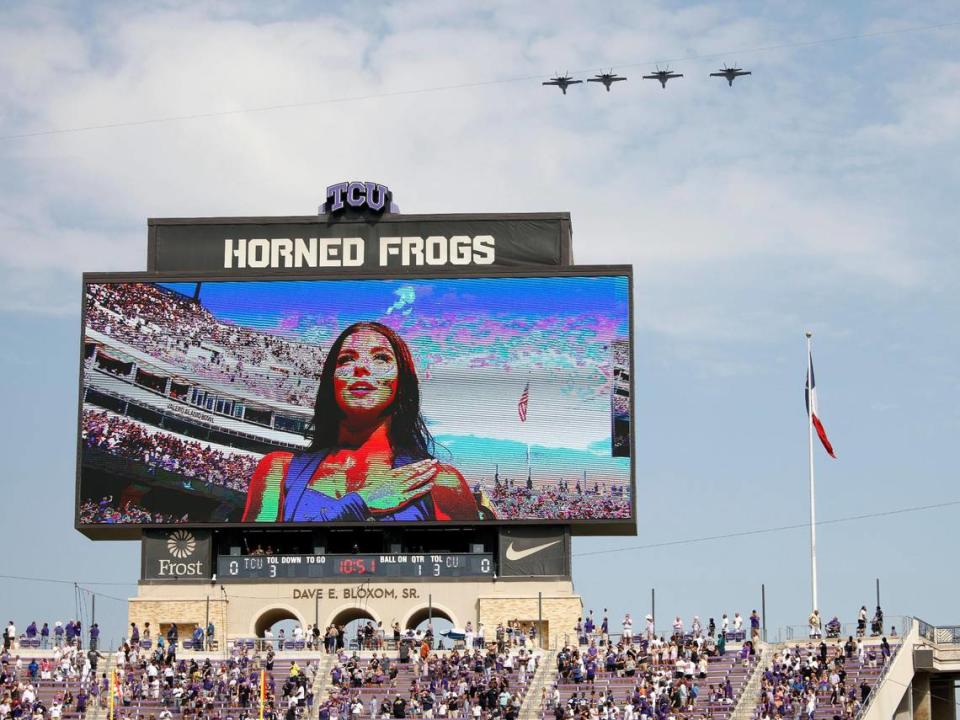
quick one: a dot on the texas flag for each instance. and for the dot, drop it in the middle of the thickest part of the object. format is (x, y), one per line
(811, 400)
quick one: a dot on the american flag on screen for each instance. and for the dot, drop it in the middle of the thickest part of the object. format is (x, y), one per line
(522, 405)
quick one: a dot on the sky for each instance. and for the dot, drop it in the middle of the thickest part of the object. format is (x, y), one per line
(818, 193)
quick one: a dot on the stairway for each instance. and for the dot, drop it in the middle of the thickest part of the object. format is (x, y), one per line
(532, 708)
(749, 697)
(321, 683)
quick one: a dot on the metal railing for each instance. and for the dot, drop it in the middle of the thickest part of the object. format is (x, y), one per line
(801, 633)
(943, 634)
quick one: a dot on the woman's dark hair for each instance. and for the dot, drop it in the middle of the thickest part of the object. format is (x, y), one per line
(408, 432)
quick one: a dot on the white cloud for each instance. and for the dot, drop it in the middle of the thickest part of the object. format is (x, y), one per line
(705, 188)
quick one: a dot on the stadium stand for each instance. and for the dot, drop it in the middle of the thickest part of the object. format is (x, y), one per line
(47, 675)
(171, 327)
(426, 683)
(186, 456)
(823, 680)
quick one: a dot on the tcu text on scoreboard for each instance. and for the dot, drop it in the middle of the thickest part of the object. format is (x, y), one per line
(406, 566)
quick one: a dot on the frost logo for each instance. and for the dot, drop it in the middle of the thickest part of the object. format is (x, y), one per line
(181, 544)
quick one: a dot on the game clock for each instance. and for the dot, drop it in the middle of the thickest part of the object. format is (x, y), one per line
(365, 565)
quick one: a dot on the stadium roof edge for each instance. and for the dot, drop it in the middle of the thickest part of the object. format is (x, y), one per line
(336, 219)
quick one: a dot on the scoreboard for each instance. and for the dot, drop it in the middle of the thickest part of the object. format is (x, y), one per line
(393, 566)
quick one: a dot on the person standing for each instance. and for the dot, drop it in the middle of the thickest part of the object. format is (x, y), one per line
(862, 621)
(9, 635)
(755, 626)
(627, 629)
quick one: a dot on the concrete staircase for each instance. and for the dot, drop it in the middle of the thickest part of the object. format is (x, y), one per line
(532, 708)
(321, 683)
(103, 711)
(749, 698)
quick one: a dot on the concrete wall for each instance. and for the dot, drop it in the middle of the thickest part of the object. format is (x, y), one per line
(888, 697)
(236, 608)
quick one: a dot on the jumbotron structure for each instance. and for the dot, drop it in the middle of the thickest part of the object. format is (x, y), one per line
(202, 380)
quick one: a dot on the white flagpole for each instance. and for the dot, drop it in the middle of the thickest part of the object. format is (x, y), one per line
(813, 492)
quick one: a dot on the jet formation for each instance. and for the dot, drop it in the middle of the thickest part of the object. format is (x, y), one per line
(662, 76)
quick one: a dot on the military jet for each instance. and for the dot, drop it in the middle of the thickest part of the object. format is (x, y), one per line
(663, 76)
(562, 82)
(730, 73)
(607, 78)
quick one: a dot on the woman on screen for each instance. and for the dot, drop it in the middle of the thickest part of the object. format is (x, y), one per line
(371, 454)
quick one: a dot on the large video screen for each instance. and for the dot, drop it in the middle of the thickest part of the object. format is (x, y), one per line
(500, 399)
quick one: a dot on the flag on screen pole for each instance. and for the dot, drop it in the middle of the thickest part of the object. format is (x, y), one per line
(811, 402)
(522, 405)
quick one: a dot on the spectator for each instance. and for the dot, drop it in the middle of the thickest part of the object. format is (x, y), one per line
(9, 636)
(862, 621)
(755, 626)
(197, 638)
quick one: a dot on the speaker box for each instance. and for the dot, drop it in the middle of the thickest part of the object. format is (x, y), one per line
(923, 659)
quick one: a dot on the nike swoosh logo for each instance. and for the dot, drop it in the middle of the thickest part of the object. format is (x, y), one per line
(521, 554)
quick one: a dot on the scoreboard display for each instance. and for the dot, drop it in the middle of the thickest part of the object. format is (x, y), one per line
(392, 566)
(211, 402)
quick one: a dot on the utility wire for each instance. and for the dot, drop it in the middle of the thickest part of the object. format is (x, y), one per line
(78, 590)
(668, 543)
(463, 86)
(764, 531)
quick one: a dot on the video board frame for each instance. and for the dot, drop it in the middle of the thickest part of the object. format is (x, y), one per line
(609, 526)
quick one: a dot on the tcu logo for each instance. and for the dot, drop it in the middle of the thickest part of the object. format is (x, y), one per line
(373, 196)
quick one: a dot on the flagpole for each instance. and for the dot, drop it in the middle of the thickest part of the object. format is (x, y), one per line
(813, 490)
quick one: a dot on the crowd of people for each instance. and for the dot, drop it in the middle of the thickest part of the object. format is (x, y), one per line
(203, 688)
(663, 677)
(60, 635)
(556, 501)
(174, 328)
(106, 510)
(797, 679)
(76, 670)
(191, 459)
(468, 684)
